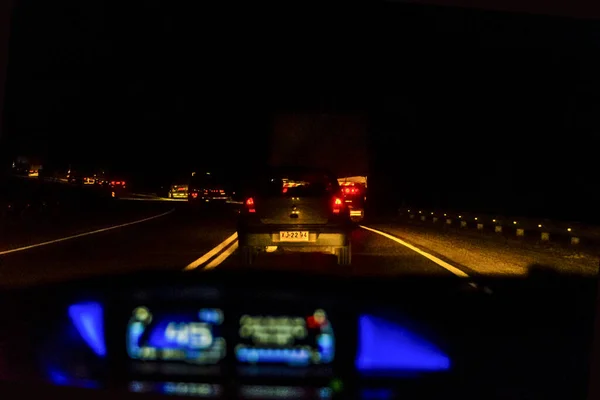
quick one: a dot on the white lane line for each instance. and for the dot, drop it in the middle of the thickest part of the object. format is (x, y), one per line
(433, 258)
(223, 256)
(210, 254)
(83, 234)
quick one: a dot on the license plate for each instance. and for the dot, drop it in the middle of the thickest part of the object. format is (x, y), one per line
(293, 236)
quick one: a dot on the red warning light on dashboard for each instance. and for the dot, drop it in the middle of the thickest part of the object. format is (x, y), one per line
(316, 320)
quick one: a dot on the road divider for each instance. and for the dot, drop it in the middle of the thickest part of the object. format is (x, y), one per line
(575, 234)
(83, 234)
(137, 197)
(431, 257)
(150, 199)
(216, 250)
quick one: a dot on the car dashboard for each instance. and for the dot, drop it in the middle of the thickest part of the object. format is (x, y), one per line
(251, 336)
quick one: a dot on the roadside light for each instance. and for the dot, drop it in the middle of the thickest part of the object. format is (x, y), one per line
(475, 218)
(493, 220)
(568, 229)
(539, 225)
(515, 222)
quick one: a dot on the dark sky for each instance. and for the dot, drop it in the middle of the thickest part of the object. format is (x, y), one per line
(492, 99)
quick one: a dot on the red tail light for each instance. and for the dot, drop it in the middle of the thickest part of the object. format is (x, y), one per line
(250, 205)
(337, 205)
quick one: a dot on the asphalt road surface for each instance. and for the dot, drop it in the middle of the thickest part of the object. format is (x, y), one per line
(191, 240)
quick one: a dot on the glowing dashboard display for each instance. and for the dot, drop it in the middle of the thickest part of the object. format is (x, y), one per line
(197, 337)
(291, 340)
(190, 336)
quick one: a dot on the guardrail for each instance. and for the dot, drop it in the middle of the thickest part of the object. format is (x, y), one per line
(542, 230)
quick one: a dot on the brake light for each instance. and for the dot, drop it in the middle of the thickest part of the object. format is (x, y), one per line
(250, 205)
(112, 182)
(337, 205)
(194, 195)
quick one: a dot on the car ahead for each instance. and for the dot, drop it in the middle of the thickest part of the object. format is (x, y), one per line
(295, 209)
(354, 198)
(178, 191)
(208, 189)
(116, 186)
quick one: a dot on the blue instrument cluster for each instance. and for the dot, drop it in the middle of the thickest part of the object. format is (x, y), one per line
(204, 336)
(292, 340)
(196, 336)
(193, 336)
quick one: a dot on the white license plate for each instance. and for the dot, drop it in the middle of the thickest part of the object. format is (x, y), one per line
(293, 236)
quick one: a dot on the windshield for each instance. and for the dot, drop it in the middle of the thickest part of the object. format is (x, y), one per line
(174, 139)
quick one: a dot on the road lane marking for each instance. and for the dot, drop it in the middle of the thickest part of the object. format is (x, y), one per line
(433, 258)
(214, 263)
(83, 234)
(195, 264)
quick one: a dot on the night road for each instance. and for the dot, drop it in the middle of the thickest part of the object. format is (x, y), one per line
(194, 240)
(169, 172)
